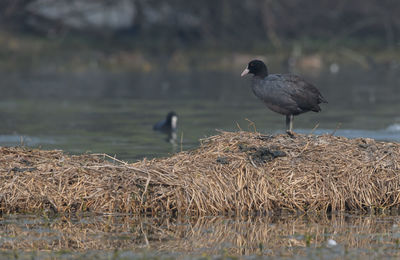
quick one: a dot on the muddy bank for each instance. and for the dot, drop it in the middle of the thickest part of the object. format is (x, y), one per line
(230, 173)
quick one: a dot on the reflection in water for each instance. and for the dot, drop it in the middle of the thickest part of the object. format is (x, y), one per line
(280, 235)
(172, 138)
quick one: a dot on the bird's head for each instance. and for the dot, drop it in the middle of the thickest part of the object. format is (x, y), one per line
(256, 67)
(172, 119)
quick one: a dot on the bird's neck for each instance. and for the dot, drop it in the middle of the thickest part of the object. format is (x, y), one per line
(174, 121)
(262, 74)
(257, 80)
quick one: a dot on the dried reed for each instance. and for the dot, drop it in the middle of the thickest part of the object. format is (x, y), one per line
(230, 173)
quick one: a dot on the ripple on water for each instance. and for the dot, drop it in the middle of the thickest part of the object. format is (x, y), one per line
(379, 135)
(393, 128)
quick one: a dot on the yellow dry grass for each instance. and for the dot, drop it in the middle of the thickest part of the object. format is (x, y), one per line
(230, 173)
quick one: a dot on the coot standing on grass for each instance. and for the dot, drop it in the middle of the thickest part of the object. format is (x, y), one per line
(286, 94)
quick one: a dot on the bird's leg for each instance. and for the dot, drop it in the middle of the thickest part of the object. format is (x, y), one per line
(289, 125)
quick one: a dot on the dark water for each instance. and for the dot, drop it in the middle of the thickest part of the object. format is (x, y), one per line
(113, 113)
(337, 236)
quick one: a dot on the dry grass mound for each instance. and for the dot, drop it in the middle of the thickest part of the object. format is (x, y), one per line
(231, 173)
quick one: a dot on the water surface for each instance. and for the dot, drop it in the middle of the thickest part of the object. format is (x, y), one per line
(336, 236)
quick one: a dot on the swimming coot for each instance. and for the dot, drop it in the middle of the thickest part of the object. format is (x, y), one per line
(286, 94)
(168, 124)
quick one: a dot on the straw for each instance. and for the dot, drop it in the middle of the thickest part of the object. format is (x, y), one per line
(233, 173)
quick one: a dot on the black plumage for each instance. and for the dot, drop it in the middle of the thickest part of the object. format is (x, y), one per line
(168, 124)
(285, 94)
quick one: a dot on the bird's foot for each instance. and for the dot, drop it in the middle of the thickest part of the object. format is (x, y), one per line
(290, 133)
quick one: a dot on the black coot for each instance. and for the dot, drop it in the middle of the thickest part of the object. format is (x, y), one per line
(168, 124)
(286, 94)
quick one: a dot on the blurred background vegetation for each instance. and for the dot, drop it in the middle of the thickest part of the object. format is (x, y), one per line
(128, 33)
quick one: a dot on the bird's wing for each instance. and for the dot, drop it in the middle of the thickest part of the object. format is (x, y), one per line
(273, 91)
(159, 125)
(306, 95)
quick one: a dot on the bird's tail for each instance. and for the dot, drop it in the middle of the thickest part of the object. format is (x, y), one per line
(321, 99)
(316, 108)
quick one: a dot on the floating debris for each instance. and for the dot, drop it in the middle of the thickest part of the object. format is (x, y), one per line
(331, 243)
